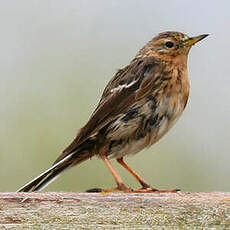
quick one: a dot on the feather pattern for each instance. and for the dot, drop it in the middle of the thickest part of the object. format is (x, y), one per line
(138, 106)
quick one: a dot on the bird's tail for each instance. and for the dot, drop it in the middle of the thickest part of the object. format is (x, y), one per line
(41, 181)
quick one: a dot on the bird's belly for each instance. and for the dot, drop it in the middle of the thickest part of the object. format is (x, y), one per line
(142, 126)
(128, 147)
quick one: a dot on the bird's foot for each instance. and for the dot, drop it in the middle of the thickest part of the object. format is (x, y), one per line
(126, 189)
(120, 187)
(153, 190)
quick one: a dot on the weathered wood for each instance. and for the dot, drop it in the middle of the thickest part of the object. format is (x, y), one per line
(114, 211)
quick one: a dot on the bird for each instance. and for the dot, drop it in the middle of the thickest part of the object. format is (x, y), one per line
(138, 107)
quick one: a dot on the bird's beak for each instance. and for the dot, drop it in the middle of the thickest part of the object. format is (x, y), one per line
(193, 40)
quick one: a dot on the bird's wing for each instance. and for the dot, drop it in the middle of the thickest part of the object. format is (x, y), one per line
(129, 85)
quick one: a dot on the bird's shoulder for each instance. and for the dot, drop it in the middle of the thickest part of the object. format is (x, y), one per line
(136, 71)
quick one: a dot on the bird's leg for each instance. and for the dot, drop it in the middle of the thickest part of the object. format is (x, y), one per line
(120, 185)
(145, 187)
(141, 181)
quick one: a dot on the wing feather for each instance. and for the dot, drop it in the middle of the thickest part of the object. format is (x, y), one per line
(138, 79)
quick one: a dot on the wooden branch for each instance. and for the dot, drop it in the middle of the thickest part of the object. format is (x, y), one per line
(114, 211)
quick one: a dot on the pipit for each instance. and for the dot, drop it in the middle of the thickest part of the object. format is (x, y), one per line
(138, 106)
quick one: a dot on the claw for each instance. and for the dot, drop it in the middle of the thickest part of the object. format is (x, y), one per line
(94, 190)
(153, 190)
(166, 191)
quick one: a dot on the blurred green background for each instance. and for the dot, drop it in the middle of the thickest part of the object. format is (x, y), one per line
(57, 56)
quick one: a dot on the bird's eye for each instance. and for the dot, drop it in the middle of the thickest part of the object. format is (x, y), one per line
(169, 44)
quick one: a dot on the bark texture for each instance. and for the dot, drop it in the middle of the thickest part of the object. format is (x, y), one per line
(114, 211)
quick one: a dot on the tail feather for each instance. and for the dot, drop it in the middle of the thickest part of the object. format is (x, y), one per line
(53, 172)
(50, 178)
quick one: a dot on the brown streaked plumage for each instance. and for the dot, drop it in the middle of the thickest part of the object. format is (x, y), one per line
(138, 106)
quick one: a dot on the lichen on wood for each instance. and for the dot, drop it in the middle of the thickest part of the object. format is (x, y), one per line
(114, 211)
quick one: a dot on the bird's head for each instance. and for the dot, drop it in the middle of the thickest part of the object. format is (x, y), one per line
(170, 44)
